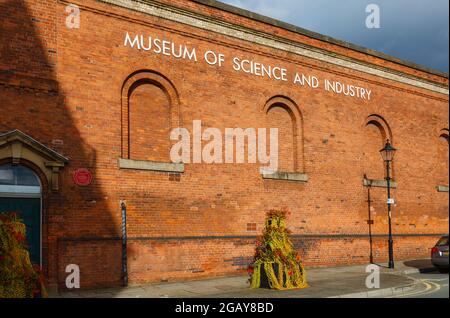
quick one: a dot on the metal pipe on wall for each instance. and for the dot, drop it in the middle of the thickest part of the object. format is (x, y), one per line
(124, 243)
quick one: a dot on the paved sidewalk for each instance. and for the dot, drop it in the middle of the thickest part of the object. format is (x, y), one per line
(346, 281)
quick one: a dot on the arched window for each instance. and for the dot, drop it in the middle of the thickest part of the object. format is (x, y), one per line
(17, 179)
(150, 109)
(376, 132)
(283, 113)
(442, 156)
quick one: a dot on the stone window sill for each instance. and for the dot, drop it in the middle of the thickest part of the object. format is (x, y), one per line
(379, 183)
(288, 176)
(150, 165)
(442, 188)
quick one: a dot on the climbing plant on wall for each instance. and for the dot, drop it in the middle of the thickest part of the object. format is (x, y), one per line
(18, 277)
(276, 264)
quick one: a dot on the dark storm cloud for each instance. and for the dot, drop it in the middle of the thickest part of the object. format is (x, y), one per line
(414, 30)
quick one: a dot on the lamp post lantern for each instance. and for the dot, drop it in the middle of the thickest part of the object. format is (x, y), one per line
(388, 153)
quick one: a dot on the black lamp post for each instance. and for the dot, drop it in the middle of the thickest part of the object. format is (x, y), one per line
(388, 153)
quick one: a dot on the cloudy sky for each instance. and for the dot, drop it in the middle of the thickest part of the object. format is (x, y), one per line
(414, 30)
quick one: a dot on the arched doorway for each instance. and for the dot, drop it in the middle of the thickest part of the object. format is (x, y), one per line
(21, 192)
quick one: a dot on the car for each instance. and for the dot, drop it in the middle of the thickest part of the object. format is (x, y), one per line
(439, 254)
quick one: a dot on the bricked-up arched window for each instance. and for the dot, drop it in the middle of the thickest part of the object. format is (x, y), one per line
(282, 113)
(376, 132)
(150, 110)
(442, 166)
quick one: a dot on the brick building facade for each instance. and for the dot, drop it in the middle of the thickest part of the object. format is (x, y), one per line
(105, 95)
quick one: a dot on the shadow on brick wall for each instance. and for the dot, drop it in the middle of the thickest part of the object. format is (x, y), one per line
(78, 226)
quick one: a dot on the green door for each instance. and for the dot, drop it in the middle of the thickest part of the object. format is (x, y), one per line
(30, 212)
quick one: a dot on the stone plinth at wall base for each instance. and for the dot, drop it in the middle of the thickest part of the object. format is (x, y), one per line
(379, 183)
(151, 165)
(442, 188)
(290, 176)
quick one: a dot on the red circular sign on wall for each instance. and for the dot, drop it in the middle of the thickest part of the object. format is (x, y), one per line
(82, 177)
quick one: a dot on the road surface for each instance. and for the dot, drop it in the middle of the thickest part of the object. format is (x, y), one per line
(433, 285)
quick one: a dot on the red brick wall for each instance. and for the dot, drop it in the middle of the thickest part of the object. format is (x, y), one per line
(67, 90)
(28, 32)
(97, 260)
(171, 260)
(187, 259)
